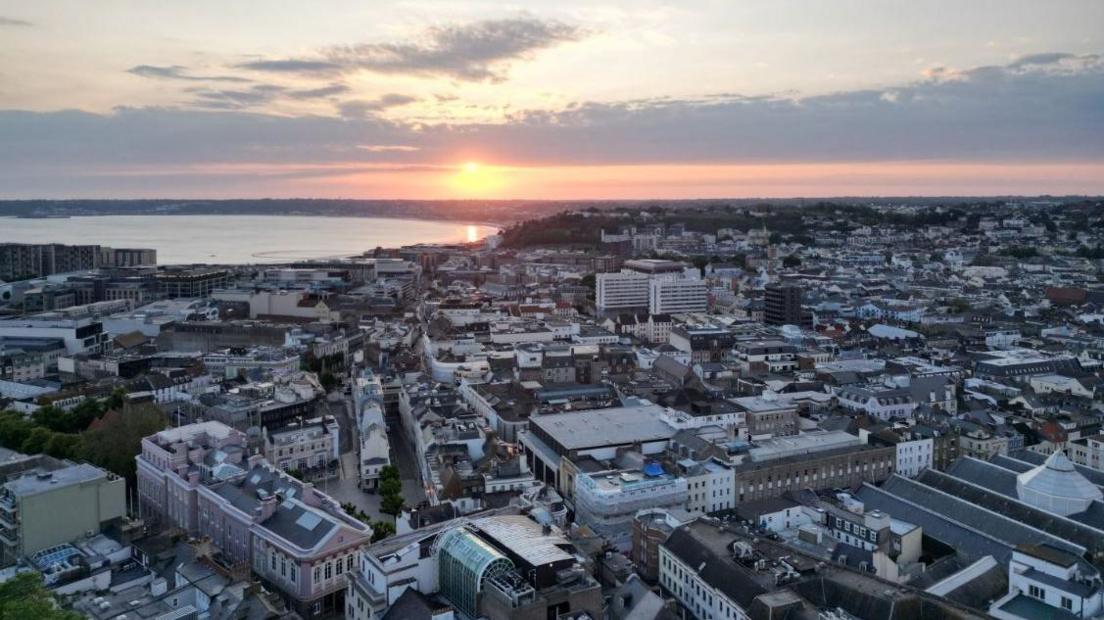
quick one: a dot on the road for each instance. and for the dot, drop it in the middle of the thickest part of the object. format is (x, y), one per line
(345, 488)
(402, 457)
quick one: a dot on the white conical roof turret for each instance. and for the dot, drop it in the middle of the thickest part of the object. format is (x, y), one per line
(1056, 486)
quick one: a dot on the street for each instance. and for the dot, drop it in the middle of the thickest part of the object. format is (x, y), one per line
(345, 487)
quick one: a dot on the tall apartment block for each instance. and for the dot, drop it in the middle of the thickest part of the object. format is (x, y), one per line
(26, 260)
(782, 305)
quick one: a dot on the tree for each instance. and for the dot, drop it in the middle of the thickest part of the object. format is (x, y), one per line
(116, 400)
(1022, 251)
(390, 486)
(328, 381)
(700, 262)
(14, 430)
(35, 443)
(391, 504)
(590, 281)
(25, 596)
(63, 445)
(381, 530)
(791, 262)
(113, 444)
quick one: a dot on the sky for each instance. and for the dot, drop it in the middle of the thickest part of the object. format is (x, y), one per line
(551, 100)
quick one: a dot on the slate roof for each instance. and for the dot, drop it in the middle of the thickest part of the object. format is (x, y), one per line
(701, 545)
(956, 522)
(302, 525)
(1082, 534)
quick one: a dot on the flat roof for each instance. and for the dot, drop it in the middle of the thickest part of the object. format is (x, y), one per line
(526, 538)
(605, 427)
(188, 432)
(38, 481)
(804, 443)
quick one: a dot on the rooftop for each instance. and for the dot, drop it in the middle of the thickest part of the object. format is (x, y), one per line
(604, 427)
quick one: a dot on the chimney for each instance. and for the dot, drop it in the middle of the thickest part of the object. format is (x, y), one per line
(310, 495)
(264, 508)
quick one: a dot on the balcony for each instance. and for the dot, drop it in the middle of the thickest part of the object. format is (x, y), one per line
(9, 517)
(9, 537)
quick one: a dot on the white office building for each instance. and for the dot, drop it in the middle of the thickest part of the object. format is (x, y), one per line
(621, 292)
(677, 296)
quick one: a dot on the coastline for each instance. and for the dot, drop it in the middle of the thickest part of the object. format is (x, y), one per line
(468, 222)
(246, 239)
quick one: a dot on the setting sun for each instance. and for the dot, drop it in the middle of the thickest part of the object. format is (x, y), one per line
(476, 180)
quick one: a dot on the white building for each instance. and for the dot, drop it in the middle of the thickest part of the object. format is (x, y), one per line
(374, 451)
(230, 363)
(311, 448)
(616, 292)
(83, 335)
(677, 296)
(607, 501)
(914, 456)
(709, 486)
(1045, 582)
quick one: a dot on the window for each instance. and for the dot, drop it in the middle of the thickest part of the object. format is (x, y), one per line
(329, 570)
(1036, 592)
(1067, 603)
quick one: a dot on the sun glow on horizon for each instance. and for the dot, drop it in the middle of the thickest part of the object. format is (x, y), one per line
(474, 180)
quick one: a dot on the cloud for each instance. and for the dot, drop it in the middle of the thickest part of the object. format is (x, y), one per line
(387, 148)
(177, 72)
(14, 23)
(1039, 59)
(259, 95)
(236, 99)
(361, 108)
(477, 51)
(1011, 113)
(292, 65)
(319, 93)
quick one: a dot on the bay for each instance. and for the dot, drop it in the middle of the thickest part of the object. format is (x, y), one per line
(239, 239)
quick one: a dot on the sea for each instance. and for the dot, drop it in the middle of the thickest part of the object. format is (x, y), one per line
(239, 239)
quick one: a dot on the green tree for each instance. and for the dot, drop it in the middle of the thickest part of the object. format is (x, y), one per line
(390, 486)
(391, 504)
(14, 430)
(381, 530)
(63, 445)
(791, 262)
(24, 596)
(113, 444)
(36, 441)
(116, 400)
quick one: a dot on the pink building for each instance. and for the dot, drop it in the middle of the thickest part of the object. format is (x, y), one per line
(198, 478)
